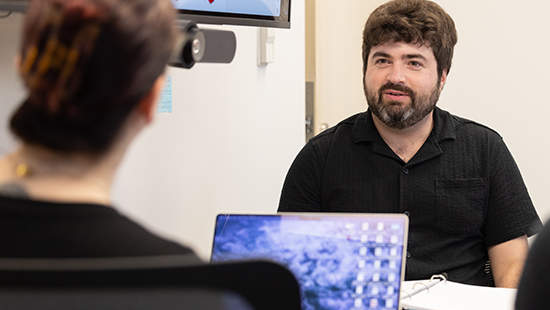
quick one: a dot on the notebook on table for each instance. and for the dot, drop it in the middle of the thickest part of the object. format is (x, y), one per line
(341, 260)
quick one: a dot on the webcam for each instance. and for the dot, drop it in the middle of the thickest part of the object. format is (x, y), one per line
(202, 45)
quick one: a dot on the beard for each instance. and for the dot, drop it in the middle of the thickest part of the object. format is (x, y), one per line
(396, 115)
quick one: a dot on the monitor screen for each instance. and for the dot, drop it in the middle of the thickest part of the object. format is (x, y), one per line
(262, 13)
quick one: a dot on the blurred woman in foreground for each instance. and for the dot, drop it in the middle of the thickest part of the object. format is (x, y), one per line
(93, 70)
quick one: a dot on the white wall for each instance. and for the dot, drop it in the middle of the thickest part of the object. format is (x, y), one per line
(227, 145)
(11, 89)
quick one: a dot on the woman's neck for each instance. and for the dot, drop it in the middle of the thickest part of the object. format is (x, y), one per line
(57, 176)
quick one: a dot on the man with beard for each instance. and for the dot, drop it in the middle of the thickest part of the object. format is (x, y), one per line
(469, 210)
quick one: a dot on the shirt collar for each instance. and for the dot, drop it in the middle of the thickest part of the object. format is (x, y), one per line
(365, 131)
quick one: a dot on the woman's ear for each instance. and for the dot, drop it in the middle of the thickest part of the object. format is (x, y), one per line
(148, 105)
(17, 63)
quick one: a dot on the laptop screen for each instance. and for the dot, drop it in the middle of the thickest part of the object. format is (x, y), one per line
(341, 260)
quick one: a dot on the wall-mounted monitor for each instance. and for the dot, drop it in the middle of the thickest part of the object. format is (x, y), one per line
(14, 5)
(261, 13)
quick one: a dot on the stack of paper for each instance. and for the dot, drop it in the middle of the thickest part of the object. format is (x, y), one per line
(448, 295)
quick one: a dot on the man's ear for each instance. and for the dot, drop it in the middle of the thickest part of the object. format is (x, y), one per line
(443, 80)
(148, 105)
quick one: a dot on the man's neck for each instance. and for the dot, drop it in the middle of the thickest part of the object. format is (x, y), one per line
(405, 142)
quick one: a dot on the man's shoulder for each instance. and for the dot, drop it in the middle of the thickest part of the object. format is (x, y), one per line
(345, 125)
(467, 126)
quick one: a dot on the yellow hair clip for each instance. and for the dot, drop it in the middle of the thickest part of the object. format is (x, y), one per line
(22, 170)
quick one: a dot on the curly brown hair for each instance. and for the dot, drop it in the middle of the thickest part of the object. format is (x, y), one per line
(412, 21)
(86, 65)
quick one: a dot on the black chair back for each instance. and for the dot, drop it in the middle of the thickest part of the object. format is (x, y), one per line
(168, 282)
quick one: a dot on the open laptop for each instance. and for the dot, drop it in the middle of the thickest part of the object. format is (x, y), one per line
(341, 260)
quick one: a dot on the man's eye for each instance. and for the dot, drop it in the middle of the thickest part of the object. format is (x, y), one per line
(415, 64)
(382, 61)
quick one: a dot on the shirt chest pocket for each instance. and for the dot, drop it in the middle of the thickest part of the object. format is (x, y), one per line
(460, 205)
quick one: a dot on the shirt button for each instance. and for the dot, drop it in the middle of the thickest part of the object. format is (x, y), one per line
(408, 254)
(407, 213)
(406, 171)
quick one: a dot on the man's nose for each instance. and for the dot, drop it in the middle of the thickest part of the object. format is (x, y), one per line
(396, 75)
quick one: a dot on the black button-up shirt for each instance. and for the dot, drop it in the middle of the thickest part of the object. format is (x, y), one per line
(462, 190)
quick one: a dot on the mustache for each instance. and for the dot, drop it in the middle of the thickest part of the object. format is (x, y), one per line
(397, 87)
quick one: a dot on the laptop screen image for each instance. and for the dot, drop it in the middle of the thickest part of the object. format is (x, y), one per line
(341, 260)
